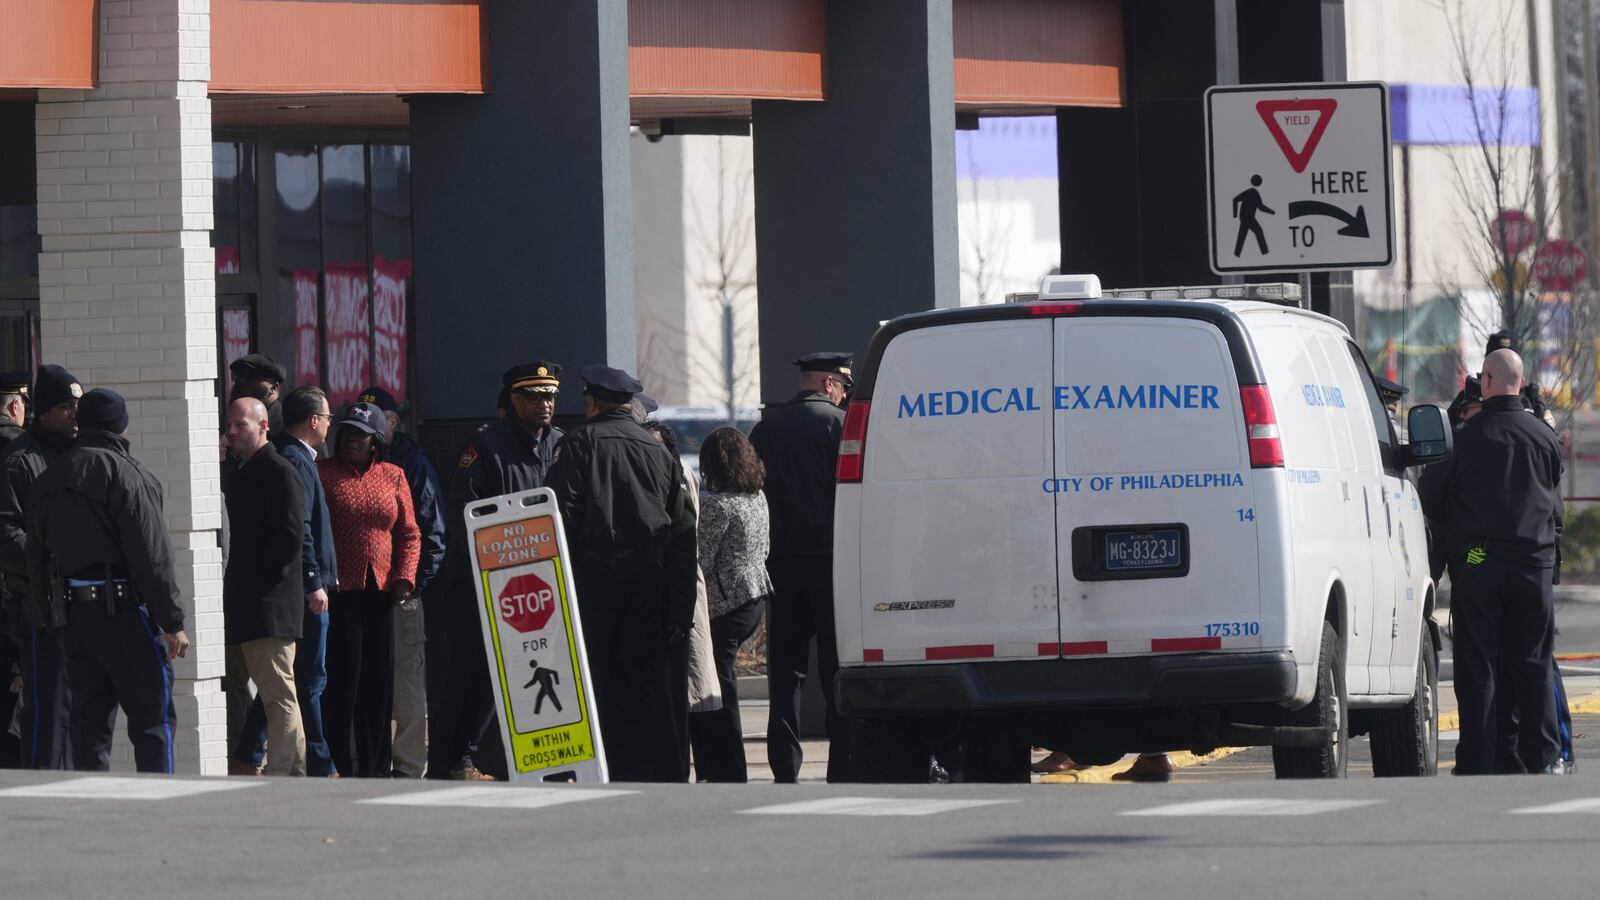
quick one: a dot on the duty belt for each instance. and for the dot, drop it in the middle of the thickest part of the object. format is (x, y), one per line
(112, 593)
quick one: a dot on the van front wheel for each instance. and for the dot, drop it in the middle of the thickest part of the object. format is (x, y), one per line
(1405, 741)
(1329, 710)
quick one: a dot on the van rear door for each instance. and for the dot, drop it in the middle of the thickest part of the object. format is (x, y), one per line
(1154, 495)
(958, 535)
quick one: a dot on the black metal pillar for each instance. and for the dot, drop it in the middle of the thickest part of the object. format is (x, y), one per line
(524, 231)
(855, 196)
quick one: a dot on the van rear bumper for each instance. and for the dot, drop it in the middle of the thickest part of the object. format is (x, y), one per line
(1052, 684)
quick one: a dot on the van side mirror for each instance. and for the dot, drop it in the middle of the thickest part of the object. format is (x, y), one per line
(1430, 437)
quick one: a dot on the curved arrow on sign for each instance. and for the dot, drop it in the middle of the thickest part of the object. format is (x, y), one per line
(1354, 225)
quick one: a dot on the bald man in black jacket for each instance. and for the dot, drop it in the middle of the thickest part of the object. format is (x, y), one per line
(1501, 494)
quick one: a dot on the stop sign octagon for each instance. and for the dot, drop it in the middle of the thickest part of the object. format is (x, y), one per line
(526, 603)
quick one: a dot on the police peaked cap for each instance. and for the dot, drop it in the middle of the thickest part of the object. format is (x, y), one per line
(258, 365)
(1389, 390)
(53, 386)
(538, 377)
(608, 384)
(14, 383)
(838, 363)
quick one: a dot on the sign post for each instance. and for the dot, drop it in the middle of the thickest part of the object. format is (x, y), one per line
(1298, 177)
(533, 638)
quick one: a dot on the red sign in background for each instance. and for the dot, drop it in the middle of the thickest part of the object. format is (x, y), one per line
(1560, 265)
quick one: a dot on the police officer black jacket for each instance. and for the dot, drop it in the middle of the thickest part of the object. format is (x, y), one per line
(799, 444)
(1501, 488)
(643, 515)
(263, 591)
(501, 459)
(96, 506)
(26, 457)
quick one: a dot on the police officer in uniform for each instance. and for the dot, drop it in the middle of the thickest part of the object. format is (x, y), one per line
(631, 533)
(13, 412)
(46, 738)
(101, 561)
(799, 443)
(1500, 494)
(511, 455)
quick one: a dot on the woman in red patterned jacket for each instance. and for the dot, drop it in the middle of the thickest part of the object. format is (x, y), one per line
(378, 545)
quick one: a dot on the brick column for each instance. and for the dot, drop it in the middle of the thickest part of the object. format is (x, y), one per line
(127, 296)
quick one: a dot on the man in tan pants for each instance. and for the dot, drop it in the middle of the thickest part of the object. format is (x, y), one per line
(261, 586)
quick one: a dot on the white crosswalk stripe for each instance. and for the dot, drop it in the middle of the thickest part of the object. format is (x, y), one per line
(486, 797)
(1590, 805)
(869, 806)
(114, 788)
(1252, 808)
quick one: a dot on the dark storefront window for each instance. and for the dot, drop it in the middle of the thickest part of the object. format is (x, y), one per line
(19, 213)
(300, 256)
(233, 185)
(347, 314)
(344, 264)
(391, 264)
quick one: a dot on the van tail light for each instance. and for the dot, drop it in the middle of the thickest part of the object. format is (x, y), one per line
(1261, 427)
(853, 442)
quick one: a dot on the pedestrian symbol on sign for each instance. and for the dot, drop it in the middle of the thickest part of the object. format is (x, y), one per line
(1245, 207)
(546, 679)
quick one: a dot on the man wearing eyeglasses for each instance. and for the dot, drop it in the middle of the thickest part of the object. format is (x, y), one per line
(307, 417)
(511, 455)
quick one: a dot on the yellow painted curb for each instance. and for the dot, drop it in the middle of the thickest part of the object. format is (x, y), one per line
(1182, 759)
(1450, 721)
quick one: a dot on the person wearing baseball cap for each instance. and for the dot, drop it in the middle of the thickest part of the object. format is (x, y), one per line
(512, 454)
(377, 548)
(55, 394)
(631, 535)
(410, 748)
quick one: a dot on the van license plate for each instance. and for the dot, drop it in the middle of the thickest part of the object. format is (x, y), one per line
(1132, 551)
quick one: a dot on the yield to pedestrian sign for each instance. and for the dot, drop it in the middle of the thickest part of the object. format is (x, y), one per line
(1299, 177)
(533, 637)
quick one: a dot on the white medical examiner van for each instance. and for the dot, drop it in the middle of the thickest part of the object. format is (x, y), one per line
(1105, 522)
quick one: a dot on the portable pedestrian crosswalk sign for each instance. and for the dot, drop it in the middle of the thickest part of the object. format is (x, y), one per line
(533, 637)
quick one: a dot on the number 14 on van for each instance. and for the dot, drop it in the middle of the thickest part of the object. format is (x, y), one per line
(1248, 514)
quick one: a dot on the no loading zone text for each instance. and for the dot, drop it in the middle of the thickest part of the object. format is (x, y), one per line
(1065, 397)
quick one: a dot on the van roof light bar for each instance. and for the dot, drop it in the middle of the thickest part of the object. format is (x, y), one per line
(1284, 293)
(1057, 288)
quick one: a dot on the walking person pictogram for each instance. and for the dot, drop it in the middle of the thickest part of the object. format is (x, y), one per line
(1245, 206)
(546, 679)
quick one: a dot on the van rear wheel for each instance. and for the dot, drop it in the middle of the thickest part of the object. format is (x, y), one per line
(1329, 710)
(888, 751)
(1405, 741)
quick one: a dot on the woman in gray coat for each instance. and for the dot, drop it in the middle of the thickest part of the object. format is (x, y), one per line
(733, 540)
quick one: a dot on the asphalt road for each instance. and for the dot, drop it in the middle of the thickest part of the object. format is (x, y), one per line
(1458, 837)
